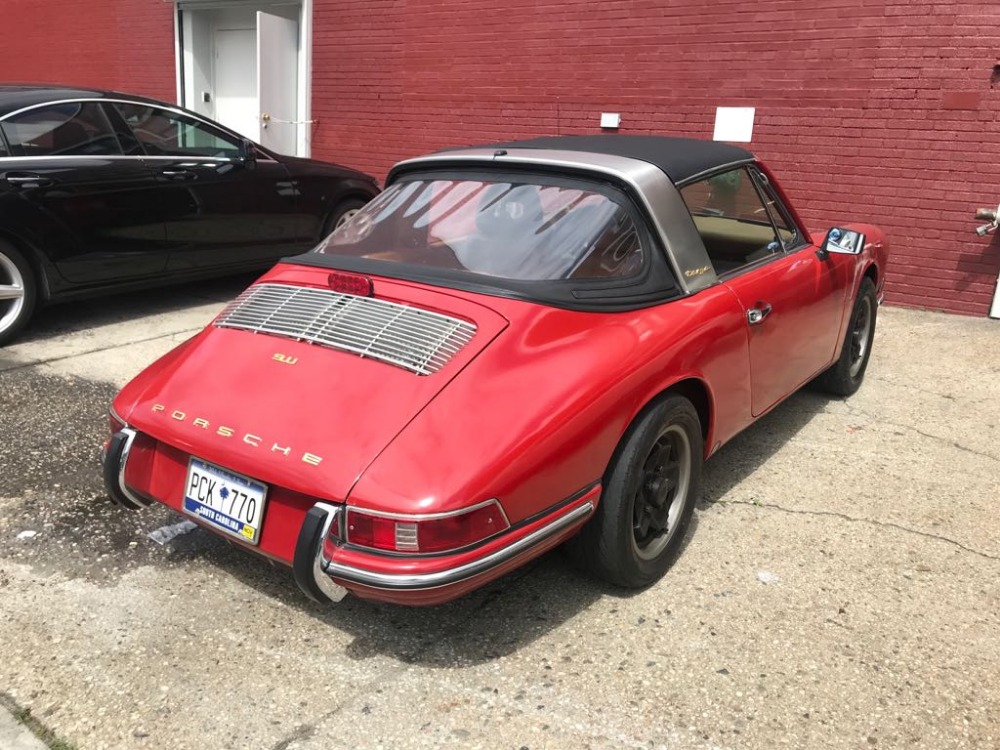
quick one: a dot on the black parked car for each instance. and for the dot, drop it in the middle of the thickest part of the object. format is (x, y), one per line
(101, 190)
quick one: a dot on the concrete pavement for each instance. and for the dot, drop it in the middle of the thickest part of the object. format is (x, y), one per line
(15, 736)
(839, 589)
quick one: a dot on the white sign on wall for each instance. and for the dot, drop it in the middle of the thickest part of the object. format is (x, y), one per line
(733, 124)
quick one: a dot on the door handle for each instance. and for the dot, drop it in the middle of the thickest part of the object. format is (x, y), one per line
(26, 179)
(178, 174)
(756, 315)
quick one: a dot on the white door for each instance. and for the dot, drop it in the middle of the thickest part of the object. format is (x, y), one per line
(236, 81)
(277, 81)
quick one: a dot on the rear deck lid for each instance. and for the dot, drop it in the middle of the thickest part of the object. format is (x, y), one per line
(300, 385)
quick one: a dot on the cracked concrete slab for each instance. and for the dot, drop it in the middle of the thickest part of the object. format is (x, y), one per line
(839, 589)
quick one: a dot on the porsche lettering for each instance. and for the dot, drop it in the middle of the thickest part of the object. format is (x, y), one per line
(248, 438)
(697, 271)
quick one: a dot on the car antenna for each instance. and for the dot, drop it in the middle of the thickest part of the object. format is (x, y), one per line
(499, 152)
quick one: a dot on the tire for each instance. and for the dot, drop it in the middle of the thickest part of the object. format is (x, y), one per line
(344, 211)
(18, 292)
(649, 495)
(847, 373)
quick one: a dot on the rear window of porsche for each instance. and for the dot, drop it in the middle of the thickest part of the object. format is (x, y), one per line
(526, 230)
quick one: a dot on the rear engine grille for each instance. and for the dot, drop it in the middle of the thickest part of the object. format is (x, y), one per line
(417, 340)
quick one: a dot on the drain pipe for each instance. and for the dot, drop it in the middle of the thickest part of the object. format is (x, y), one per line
(990, 215)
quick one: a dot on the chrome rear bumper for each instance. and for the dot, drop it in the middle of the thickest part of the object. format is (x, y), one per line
(315, 574)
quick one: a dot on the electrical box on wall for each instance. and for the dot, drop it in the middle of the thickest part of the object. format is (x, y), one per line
(610, 119)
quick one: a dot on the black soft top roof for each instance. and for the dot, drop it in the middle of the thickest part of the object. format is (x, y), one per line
(679, 158)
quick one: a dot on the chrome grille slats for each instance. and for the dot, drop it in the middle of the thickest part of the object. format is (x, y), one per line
(415, 339)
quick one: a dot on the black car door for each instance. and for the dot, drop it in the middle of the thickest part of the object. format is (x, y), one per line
(219, 211)
(71, 189)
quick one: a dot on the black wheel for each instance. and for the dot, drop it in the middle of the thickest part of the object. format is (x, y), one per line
(342, 214)
(17, 292)
(649, 495)
(845, 377)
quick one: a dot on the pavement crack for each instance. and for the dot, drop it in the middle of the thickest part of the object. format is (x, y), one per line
(939, 439)
(854, 411)
(74, 355)
(302, 732)
(868, 521)
(911, 387)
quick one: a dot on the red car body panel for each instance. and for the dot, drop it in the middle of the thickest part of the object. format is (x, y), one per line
(530, 412)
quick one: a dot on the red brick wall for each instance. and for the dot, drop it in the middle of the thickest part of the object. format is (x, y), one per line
(871, 110)
(118, 44)
(856, 100)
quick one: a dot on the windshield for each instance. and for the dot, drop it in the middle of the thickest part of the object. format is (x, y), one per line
(528, 231)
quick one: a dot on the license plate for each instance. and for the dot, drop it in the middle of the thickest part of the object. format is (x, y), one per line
(229, 502)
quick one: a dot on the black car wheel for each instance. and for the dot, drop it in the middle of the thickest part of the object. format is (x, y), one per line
(17, 292)
(845, 377)
(342, 214)
(649, 495)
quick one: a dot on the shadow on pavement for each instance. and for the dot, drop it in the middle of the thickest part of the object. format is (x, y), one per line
(512, 612)
(70, 317)
(495, 621)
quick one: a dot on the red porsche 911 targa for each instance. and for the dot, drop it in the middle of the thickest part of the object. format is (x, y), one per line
(510, 348)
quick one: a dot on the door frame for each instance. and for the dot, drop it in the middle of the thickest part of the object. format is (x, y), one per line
(183, 62)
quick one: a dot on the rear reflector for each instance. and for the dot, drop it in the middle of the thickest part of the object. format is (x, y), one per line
(350, 283)
(426, 534)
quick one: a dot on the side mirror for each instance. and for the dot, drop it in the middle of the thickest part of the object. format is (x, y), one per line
(843, 241)
(248, 153)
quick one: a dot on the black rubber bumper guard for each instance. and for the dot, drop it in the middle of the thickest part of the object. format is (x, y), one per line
(113, 461)
(308, 565)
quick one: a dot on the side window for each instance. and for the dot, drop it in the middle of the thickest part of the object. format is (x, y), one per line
(165, 133)
(732, 220)
(64, 129)
(787, 231)
(3, 145)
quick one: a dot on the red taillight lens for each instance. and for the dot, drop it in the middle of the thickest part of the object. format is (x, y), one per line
(350, 283)
(426, 533)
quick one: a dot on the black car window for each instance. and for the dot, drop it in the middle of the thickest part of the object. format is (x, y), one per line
(63, 129)
(165, 133)
(732, 220)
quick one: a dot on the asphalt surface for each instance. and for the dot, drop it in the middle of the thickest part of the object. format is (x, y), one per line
(840, 587)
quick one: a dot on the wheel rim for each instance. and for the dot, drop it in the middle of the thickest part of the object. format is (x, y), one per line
(11, 292)
(860, 336)
(345, 217)
(659, 501)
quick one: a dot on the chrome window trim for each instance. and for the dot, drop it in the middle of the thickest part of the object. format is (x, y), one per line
(759, 191)
(765, 189)
(220, 159)
(167, 107)
(709, 172)
(649, 184)
(417, 581)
